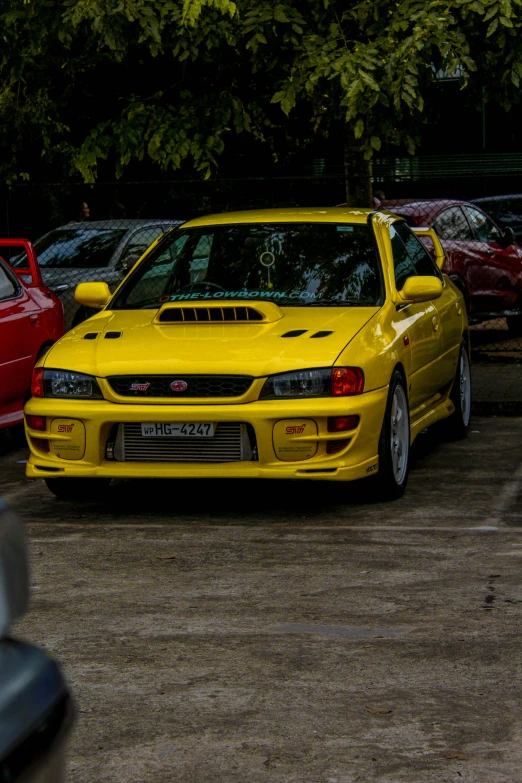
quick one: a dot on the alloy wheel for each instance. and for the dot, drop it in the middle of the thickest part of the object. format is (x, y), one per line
(399, 434)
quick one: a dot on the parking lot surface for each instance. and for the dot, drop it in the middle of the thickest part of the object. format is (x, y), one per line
(298, 632)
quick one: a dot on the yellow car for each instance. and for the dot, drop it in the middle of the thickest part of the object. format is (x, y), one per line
(290, 343)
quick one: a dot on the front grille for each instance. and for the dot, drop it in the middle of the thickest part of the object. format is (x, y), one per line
(231, 442)
(196, 385)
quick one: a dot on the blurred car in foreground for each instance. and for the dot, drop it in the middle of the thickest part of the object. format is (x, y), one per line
(483, 260)
(92, 250)
(505, 210)
(36, 710)
(31, 320)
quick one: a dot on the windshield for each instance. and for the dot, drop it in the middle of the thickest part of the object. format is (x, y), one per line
(289, 263)
(76, 248)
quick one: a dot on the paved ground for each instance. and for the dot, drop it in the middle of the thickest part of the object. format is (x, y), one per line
(290, 632)
(497, 388)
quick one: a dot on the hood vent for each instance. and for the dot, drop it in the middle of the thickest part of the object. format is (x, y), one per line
(209, 315)
(321, 334)
(295, 333)
(91, 335)
(112, 335)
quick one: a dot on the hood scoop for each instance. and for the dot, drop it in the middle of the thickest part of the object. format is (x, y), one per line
(215, 312)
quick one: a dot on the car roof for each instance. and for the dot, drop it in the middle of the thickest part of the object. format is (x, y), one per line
(424, 209)
(496, 198)
(286, 215)
(124, 223)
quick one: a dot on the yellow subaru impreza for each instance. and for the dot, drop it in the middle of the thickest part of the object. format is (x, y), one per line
(290, 343)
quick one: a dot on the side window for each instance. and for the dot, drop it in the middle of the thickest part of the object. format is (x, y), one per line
(452, 224)
(138, 243)
(8, 288)
(200, 259)
(422, 261)
(156, 278)
(485, 229)
(402, 263)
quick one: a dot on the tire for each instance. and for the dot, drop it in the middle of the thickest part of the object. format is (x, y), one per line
(457, 425)
(394, 442)
(514, 323)
(78, 488)
(17, 433)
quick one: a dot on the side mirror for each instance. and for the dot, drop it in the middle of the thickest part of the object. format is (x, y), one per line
(421, 289)
(95, 295)
(508, 237)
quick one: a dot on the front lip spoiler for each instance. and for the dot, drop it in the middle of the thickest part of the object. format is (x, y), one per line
(234, 470)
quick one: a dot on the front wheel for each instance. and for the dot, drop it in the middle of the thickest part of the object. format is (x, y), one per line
(457, 425)
(78, 488)
(394, 442)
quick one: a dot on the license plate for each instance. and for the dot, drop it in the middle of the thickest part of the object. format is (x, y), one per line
(178, 429)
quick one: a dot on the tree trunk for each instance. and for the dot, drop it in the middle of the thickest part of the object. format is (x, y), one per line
(357, 170)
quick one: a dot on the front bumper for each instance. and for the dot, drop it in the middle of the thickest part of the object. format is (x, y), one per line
(356, 459)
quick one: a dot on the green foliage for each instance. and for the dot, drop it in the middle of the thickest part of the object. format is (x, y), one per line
(90, 84)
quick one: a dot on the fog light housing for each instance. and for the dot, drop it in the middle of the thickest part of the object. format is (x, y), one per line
(342, 423)
(36, 423)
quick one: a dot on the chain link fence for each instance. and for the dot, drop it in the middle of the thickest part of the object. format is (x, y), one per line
(483, 259)
(86, 233)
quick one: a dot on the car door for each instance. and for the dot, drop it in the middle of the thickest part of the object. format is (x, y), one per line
(448, 306)
(19, 316)
(421, 321)
(508, 214)
(456, 235)
(497, 270)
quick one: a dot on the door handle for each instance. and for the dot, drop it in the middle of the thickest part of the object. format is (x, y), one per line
(59, 288)
(435, 322)
(33, 319)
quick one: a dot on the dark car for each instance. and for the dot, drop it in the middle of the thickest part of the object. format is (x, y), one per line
(31, 320)
(505, 210)
(93, 250)
(36, 710)
(483, 260)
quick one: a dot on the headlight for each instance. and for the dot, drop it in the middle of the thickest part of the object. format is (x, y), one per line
(325, 382)
(64, 383)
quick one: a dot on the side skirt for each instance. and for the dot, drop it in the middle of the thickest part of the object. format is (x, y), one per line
(435, 409)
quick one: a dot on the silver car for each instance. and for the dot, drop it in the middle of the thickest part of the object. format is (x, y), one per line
(93, 250)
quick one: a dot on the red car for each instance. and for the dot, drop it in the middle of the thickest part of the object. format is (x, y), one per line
(483, 260)
(31, 319)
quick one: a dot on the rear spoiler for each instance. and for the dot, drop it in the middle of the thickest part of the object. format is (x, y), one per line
(30, 273)
(440, 258)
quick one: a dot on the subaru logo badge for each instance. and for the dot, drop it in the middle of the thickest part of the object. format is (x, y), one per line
(178, 386)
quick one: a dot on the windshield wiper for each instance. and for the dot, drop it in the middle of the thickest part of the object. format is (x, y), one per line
(338, 303)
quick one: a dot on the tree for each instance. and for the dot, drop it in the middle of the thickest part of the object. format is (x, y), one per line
(88, 83)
